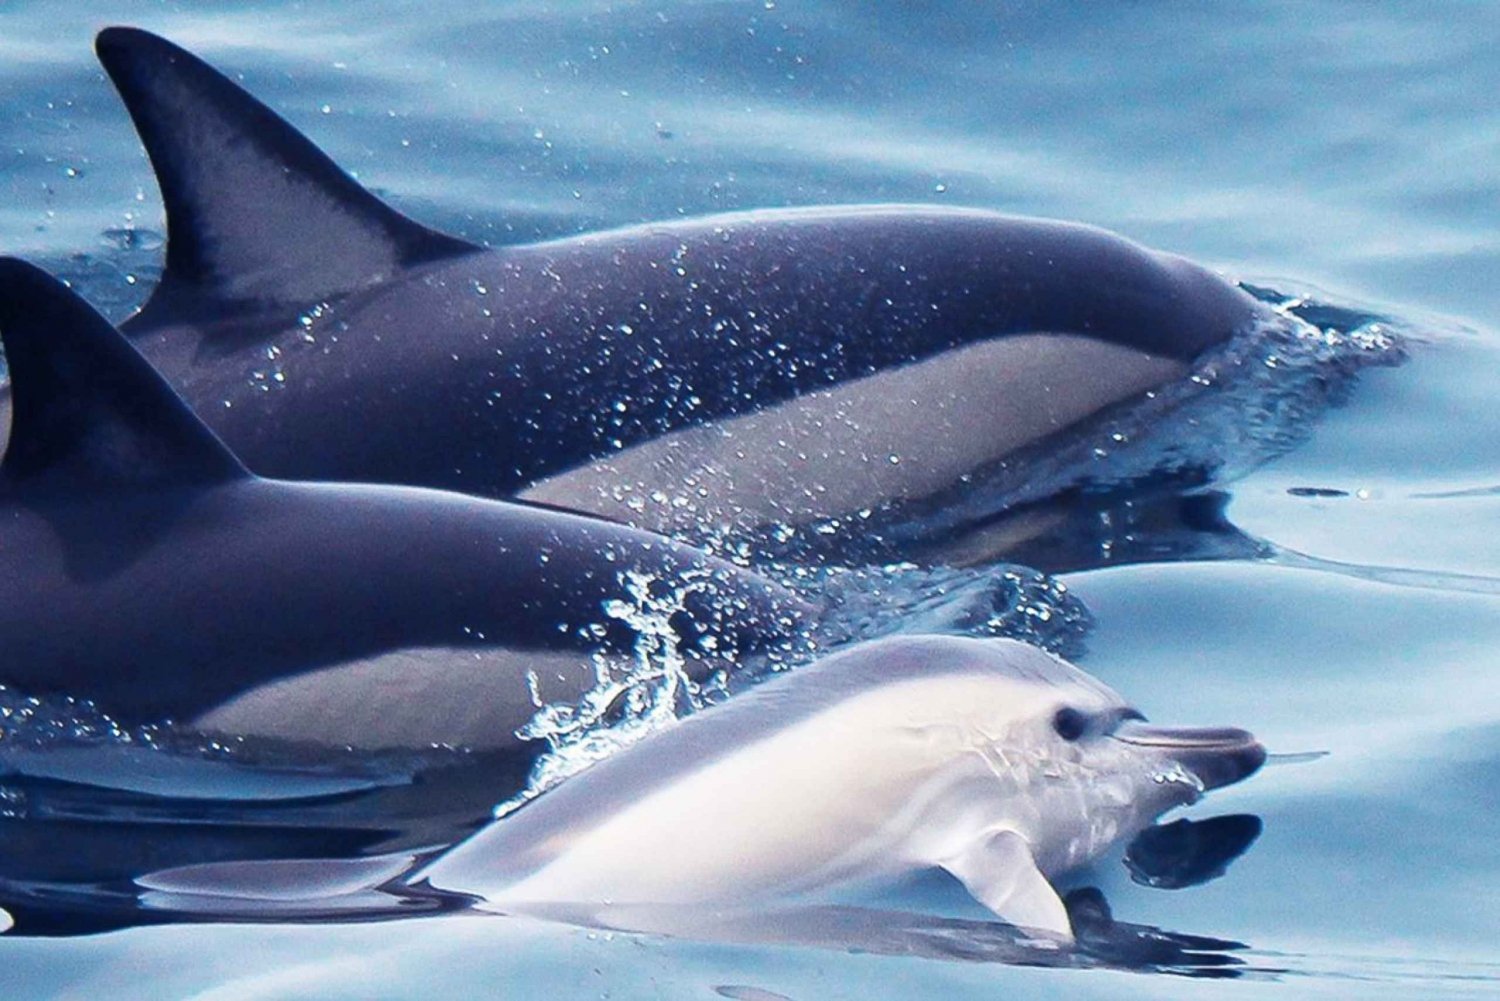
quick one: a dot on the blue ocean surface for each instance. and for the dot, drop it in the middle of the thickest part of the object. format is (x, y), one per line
(1341, 159)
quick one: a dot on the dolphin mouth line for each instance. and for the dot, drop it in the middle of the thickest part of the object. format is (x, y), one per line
(1133, 731)
(1215, 756)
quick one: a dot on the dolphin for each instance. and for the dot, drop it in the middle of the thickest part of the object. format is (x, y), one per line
(143, 568)
(991, 759)
(742, 373)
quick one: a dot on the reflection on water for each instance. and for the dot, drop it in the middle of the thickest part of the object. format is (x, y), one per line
(1338, 597)
(304, 888)
(1189, 852)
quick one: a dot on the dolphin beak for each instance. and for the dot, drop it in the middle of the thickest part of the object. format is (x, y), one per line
(1216, 756)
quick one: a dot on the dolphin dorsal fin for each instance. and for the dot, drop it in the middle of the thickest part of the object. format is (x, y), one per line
(257, 216)
(87, 411)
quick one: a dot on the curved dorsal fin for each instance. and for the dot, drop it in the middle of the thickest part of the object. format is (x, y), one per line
(87, 411)
(256, 214)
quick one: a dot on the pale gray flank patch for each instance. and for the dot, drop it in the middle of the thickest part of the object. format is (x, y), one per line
(902, 434)
(462, 697)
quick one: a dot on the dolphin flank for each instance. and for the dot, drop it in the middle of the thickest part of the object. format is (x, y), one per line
(144, 568)
(740, 371)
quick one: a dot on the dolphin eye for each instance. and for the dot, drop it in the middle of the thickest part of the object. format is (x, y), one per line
(1069, 723)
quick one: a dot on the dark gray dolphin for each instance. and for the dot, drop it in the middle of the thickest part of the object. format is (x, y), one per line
(142, 567)
(765, 368)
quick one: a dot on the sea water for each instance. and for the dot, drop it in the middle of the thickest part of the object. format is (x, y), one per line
(1348, 155)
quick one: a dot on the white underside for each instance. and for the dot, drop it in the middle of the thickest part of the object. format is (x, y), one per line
(411, 699)
(902, 434)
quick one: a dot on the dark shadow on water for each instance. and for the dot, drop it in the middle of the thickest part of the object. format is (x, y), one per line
(1101, 941)
(1083, 531)
(1188, 853)
(73, 845)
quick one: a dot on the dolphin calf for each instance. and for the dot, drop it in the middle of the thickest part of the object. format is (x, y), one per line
(144, 568)
(991, 759)
(754, 370)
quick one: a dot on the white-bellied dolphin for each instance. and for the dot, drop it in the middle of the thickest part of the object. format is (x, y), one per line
(763, 368)
(991, 759)
(144, 568)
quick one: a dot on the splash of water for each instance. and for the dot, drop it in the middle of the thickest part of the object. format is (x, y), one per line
(637, 695)
(1005, 600)
(37, 722)
(631, 696)
(1243, 404)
